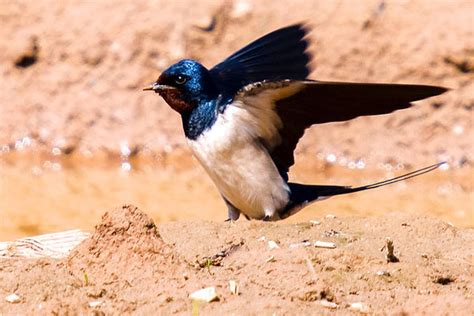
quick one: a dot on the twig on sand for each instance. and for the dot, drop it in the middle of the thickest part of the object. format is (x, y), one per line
(390, 256)
(216, 260)
(324, 244)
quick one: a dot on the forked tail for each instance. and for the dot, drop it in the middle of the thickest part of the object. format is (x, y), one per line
(303, 194)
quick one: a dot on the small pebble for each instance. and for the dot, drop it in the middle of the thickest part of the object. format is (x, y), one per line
(272, 245)
(205, 23)
(206, 295)
(325, 244)
(330, 216)
(359, 307)
(315, 222)
(328, 304)
(383, 273)
(95, 304)
(12, 298)
(234, 288)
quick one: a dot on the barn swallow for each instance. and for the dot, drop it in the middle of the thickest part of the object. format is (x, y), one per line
(243, 119)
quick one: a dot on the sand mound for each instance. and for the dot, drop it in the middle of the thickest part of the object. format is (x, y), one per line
(127, 251)
(125, 237)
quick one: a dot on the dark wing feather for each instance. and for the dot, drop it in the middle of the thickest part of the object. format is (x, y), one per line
(323, 102)
(278, 55)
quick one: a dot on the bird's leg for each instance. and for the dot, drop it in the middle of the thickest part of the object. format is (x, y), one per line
(233, 213)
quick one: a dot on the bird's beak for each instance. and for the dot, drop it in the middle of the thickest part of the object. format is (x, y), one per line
(158, 87)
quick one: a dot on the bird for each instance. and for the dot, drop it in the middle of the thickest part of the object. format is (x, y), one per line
(243, 118)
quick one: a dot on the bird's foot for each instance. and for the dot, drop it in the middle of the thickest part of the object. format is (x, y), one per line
(231, 222)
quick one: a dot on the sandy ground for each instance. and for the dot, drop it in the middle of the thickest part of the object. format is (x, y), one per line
(130, 265)
(74, 119)
(78, 137)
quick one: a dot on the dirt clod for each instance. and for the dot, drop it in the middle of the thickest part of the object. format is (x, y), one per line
(30, 54)
(443, 280)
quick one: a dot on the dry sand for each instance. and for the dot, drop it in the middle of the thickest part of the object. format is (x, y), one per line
(129, 265)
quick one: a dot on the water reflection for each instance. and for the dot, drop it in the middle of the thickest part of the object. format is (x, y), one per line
(56, 151)
(126, 166)
(50, 165)
(173, 186)
(4, 149)
(125, 152)
(23, 143)
(332, 159)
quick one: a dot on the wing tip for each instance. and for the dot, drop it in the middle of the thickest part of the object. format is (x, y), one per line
(307, 27)
(437, 90)
(427, 91)
(304, 26)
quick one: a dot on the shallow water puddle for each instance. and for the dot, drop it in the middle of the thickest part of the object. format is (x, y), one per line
(47, 195)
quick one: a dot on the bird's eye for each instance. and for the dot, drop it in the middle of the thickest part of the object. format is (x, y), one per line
(180, 80)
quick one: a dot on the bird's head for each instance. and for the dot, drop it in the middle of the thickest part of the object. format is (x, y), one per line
(184, 85)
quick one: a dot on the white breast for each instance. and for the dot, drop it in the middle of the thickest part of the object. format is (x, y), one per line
(234, 157)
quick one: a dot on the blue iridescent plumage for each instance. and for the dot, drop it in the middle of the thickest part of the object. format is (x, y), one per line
(198, 90)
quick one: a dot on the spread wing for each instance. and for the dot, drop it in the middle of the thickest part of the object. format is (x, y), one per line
(296, 105)
(324, 102)
(268, 77)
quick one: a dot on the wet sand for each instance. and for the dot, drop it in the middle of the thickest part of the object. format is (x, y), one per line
(57, 193)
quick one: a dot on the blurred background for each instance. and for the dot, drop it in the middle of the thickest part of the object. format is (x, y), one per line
(79, 137)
